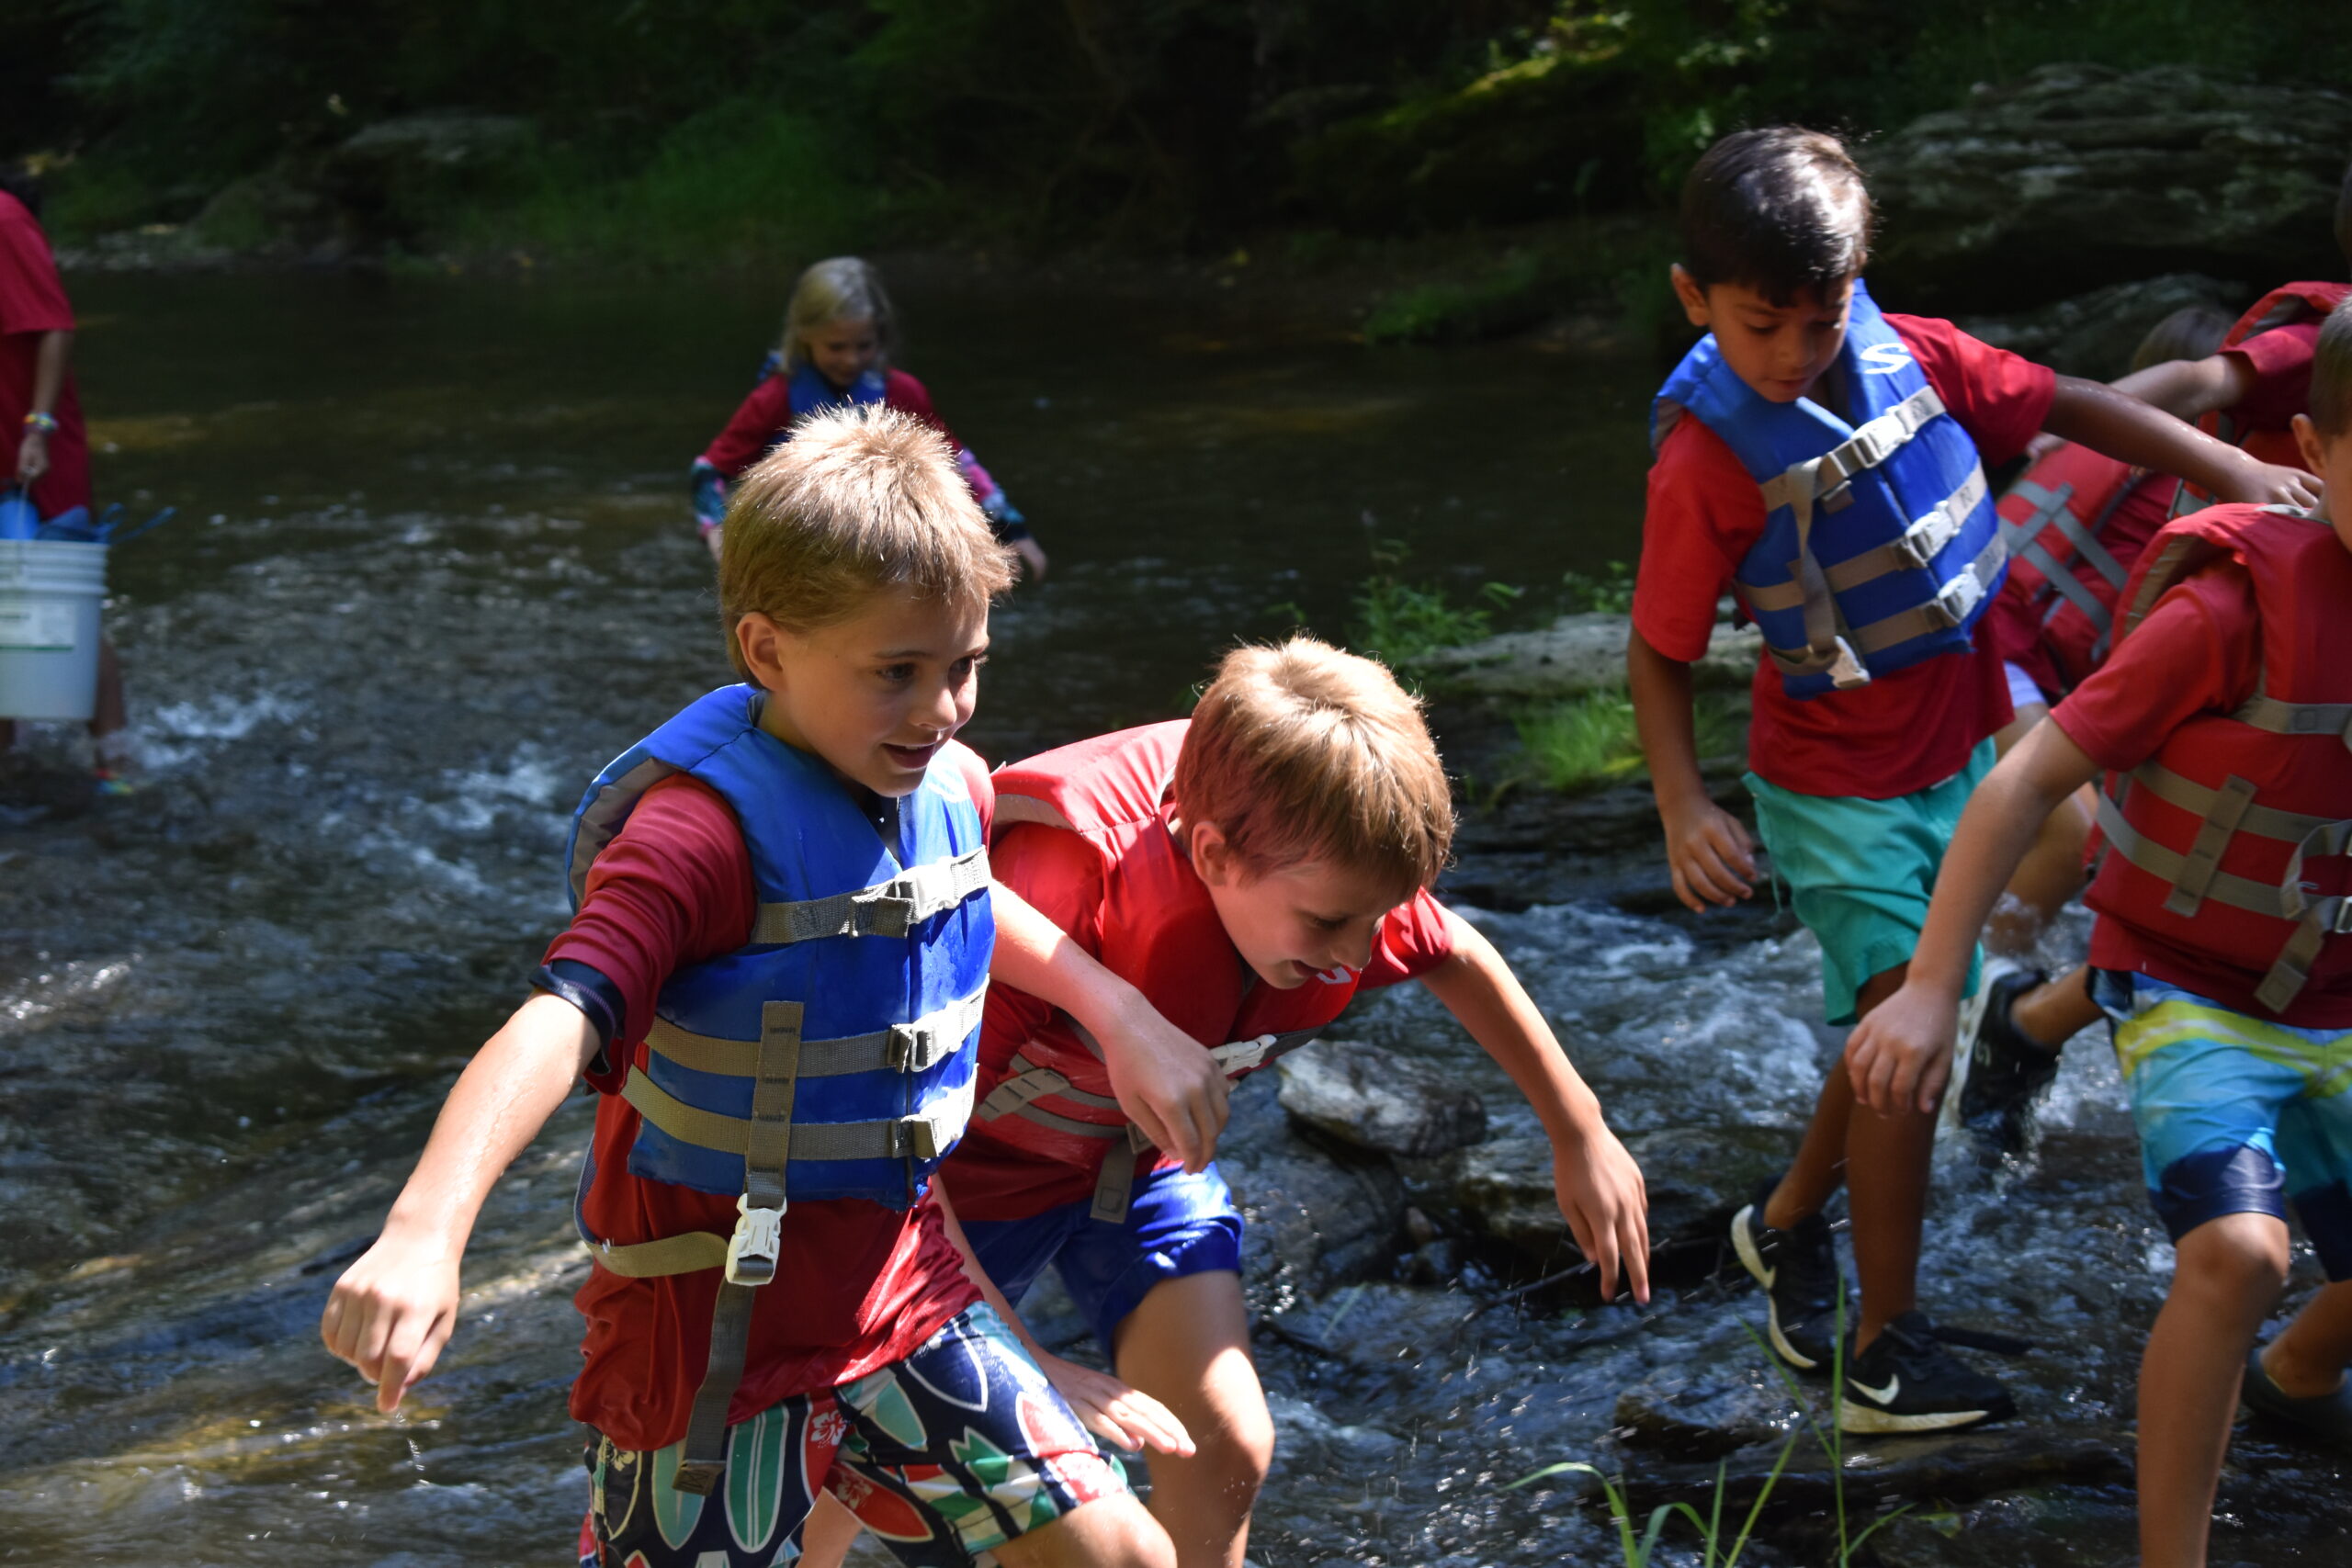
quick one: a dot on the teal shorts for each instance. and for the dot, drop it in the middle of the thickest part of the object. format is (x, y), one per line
(1860, 873)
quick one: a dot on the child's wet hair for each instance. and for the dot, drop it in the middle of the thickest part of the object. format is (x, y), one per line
(861, 499)
(2331, 397)
(2193, 332)
(839, 288)
(1780, 210)
(1302, 752)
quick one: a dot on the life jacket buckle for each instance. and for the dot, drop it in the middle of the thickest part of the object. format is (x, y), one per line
(910, 1048)
(1243, 1055)
(914, 1137)
(1956, 598)
(758, 1241)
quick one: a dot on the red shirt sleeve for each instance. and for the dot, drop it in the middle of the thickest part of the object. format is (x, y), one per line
(1415, 939)
(752, 429)
(33, 297)
(673, 888)
(1703, 513)
(2001, 399)
(908, 395)
(976, 779)
(2281, 361)
(2200, 650)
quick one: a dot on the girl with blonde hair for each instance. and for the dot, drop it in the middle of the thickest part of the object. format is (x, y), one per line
(839, 332)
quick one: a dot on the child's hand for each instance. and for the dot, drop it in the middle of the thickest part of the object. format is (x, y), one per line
(1167, 1083)
(1607, 1207)
(2271, 484)
(392, 1313)
(1711, 857)
(1128, 1417)
(1900, 1054)
(1033, 557)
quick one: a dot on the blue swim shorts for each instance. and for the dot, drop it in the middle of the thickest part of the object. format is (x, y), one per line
(1177, 1224)
(1860, 871)
(944, 1456)
(2237, 1115)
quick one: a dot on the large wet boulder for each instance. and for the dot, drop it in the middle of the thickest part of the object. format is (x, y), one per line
(2079, 176)
(2094, 334)
(392, 181)
(1380, 1101)
(1574, 655)
(1319, 1212)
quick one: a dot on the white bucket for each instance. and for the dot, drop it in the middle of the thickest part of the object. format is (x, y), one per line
(50, 593)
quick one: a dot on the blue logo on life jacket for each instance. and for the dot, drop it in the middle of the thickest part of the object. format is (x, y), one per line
(863, 981)
(1881, 546)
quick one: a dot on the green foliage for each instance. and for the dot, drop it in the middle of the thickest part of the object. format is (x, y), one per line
(91, 197)
(1591, 742)
(1400, 621)
(1610, 591)
(1515, 295)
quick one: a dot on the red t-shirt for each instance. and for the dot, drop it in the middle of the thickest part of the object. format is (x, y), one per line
(1062, 875)
(765, 415)
(2198, 652)
(2281, 362)
(858, 1285)
(32, 302)
(1904, 731)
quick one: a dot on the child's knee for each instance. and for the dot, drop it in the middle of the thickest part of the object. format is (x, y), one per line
(1241, 1449)
(2244, 1252)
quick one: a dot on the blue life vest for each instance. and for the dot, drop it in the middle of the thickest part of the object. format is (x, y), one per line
(846, 1036)
(1881, 545)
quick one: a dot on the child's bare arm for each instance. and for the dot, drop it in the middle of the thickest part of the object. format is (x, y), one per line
(2190, 389)
(392, 1311)
(2128, 430)
(1599, 1185)
(1900, 1055)
(1164, 1082)
(1707, 849)
(1116, 1410)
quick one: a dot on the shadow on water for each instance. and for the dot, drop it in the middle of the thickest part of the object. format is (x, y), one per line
(432, 570)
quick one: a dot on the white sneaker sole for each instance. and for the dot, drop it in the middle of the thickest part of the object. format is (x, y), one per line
(1743, 1241)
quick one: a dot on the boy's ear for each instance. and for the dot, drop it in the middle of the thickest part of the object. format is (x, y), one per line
(2308, 442)
(1693, 298)
(761, 642)
(1212, 856)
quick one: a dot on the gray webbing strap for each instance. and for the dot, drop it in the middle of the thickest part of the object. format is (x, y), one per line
(2046, 504)
(2287, 827)
(2066, 585)
(1115, 1186)
(2272, 716)
(752, 1252)
(1872, 444)
(916, 1137)
(688, 1253)
(1030, 1082)
(1913, 551)
(2204, 858)
(889, 909)
(602, 817)
(2165, 866)
(903, 1047)
(1946, 610)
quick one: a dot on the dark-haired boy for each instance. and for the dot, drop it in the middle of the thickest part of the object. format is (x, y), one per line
(1823, 461)
(2221, 897)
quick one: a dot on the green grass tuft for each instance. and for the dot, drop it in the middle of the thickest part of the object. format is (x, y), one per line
(1589, 743)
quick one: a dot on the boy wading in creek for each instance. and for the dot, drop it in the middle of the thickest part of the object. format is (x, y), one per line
(1822, 460)
(2221, 720)
(784, 927)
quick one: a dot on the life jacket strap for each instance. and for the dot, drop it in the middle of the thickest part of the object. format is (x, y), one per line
(2272, 716)
(1872, 444)
(921, 1136)
(914, 1047)
(889, 909)
(1921, 543)
(1031, 1082)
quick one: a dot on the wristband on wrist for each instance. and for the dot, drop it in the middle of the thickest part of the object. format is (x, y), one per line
(44, 423)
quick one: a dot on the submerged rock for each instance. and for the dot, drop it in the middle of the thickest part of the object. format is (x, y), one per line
(2079, 175)
(1379, 1100)
(1574, 655)
(1318, 1215)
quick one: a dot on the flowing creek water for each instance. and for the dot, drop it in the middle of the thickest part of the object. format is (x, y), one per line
(433, 569)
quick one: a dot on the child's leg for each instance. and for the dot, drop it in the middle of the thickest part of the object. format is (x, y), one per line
(829, 1533)
(2052, 872)
(2055, 1013)
(2227, 1279)
(2308, 1359)
(1187, 1344)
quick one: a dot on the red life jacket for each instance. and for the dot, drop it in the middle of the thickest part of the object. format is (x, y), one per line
(2283, 306)
(1159, 932)
(2211, 842)
(2051, 516)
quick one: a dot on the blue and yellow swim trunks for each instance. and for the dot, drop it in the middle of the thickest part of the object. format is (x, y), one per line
(2237, 1115)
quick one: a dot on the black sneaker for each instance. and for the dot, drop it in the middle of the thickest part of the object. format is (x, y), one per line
(1906, 1381)
(1798, 1269)
(2006, 1072)
(2327, 1416)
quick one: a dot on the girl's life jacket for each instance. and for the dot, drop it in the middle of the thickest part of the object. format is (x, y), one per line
(2211, 845)
(833, 1055)
(2282, 306)
(2052, 519)
(1881, 547)
(1159, 932)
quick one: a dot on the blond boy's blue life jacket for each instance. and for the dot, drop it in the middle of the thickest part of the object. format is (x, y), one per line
(833, 1056)
(1880, 544)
